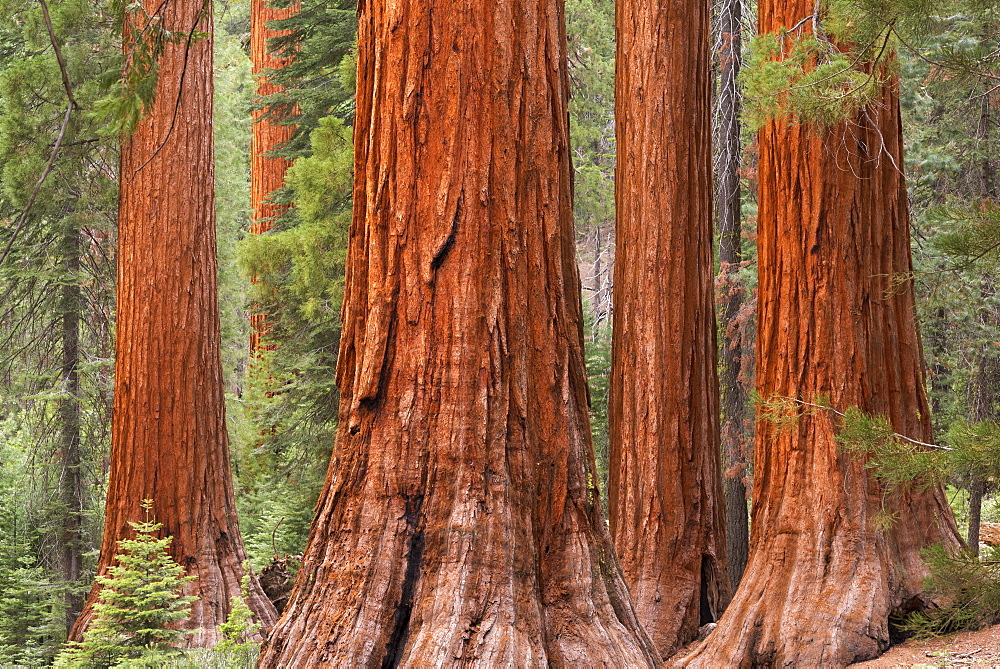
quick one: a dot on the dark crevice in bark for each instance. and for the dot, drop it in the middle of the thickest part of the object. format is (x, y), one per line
(707, 615)
(414, 560)
(442, 252)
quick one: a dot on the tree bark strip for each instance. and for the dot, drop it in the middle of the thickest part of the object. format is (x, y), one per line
(169, 441)
(460, 522)
(665, 489)
(836, 323)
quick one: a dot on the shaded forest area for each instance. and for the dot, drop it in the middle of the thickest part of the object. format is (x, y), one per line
(523, 333)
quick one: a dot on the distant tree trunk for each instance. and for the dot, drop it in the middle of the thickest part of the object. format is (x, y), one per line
(70, 479)
(267, 173)
(169, 440)
(460, 521)
(600, 306)
(733, 390)
(983, 399)
(940, 382)
(976, 490)
(836, 327)
(665, 489)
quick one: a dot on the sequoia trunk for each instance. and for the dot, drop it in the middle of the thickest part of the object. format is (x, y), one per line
(460, 522)
(267, 172)
(665, 490)
(831, 557)
(169, 440)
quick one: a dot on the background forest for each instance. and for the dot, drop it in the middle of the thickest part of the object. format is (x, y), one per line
(58, 238)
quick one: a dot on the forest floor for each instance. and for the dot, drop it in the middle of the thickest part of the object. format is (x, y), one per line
(963, 649)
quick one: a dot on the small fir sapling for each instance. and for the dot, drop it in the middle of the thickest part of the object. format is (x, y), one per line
(139, 602)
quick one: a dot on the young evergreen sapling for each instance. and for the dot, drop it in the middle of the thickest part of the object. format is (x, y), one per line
(139, 602)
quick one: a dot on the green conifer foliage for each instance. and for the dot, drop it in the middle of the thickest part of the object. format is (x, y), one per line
(139, 602)
(299, 265)
(968, 586)
(318, 80)
(239, 630)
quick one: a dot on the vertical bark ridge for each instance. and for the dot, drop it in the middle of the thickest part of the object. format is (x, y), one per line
(836, 321)
(666, 501)
(461, 368)
(169, 440)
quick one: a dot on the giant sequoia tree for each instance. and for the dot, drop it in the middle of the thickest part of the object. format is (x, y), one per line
(665, 490)
(169, 440)
(460, 521)
(835, 328)
(267, 171)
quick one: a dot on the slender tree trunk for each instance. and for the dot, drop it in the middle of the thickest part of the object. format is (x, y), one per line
(665, 489)
(835, 327)
(460, 522)
(70, 480)
(598, 307)
(983, 399)
(169, 440)
(976, 490)
(267, 173)
(940, 382)
(733, 390)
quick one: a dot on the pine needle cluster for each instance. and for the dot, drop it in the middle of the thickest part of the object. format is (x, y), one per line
(968, 587)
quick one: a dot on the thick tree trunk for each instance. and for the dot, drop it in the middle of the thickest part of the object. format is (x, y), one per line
(835, 327)
(169, 440)
(267, 173)
(460, 522)
(733, 389)
(70, 479)
(665, 489)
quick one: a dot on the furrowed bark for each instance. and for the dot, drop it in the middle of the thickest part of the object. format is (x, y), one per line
(169, 441)
(836, 323)
(665, 490)
(460, 523)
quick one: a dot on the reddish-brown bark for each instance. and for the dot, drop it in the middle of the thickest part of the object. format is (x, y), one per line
(267, 172)
(665, 489)
(460, 523)
(836, 325)
(169, 440)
